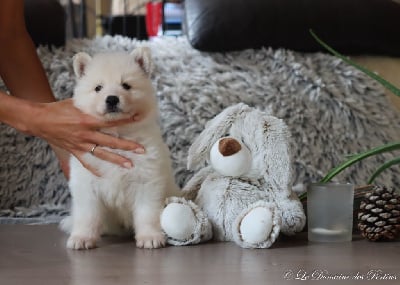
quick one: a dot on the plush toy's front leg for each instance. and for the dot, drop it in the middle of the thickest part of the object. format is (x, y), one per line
(293, 216)
(184, 223)
(257, 226)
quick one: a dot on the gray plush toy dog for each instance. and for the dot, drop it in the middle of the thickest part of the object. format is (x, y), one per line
(244, 194)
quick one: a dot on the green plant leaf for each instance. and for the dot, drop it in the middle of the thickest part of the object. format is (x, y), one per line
(371, 74)
(353, 158)
(382, 168)
(302, 196)
(342, 166)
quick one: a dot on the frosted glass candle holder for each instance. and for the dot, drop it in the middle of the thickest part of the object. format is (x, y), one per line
(330, 212)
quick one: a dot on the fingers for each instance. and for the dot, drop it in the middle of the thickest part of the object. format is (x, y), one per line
(108, 124)
(112, 157)
(93, 135)
(103, 155)
(88, 166)
(91, 121)
(91, 168)
(100, 141)
(95, 123)
(63, 158)
(106, 140)
(68, 128)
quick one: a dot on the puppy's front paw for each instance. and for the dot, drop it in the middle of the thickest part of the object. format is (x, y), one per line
(80, 242)
(151, 240)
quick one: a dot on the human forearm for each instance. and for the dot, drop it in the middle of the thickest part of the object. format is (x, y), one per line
(17, 112)
(20, 67)
(31, 108)
(23, 73)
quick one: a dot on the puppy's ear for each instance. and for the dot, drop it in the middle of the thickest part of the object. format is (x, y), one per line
(80, 62)
(142, 56)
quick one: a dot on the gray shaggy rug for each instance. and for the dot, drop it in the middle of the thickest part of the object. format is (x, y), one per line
(332, 110)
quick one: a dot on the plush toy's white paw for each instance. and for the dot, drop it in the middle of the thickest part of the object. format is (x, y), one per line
(256, 226)
(178, 221)
(293, 217)
(81, 242)
(184, 222)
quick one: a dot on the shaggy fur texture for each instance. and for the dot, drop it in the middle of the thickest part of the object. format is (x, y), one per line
(331, 109)
(113, 86)
(231, 199)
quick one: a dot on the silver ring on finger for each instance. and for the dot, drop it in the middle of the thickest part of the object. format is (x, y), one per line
(93, 148)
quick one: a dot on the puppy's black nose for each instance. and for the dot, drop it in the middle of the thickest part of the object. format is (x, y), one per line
(112, 101)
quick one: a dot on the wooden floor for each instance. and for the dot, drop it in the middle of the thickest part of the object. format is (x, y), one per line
(37, 255)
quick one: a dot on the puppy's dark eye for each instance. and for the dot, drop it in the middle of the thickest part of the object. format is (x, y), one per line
(126, 86)
(98, 88)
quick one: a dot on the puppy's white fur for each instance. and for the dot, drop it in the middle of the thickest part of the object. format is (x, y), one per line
(121, 198)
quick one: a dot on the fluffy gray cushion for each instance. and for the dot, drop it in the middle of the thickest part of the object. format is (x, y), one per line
(332, 110)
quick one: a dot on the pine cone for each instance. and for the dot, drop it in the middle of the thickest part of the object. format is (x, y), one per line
(379, 215)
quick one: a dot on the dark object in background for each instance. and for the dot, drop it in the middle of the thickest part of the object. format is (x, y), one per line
(352, 27)
(133, 26)
(45, 22)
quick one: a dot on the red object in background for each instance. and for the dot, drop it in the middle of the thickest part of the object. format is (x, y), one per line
(153, 17)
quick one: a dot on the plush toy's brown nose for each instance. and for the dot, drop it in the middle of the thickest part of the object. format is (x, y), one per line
(229, 146)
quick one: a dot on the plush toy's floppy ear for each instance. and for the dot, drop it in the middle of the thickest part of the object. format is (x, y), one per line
(275, 163)
(142, 56)
(215, 129)
(80, 62)
(274, 156)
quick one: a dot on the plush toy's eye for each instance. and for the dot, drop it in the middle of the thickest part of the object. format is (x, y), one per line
(126, 86)
(98, 88)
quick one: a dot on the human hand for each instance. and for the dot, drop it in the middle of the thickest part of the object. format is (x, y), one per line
(63, 159)
(65, 127)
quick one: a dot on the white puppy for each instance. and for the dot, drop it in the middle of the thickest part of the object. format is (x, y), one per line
(114, 86)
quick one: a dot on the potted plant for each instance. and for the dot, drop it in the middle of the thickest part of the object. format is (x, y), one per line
(379, 215)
